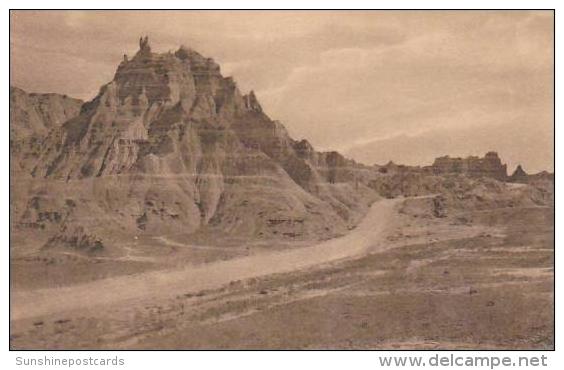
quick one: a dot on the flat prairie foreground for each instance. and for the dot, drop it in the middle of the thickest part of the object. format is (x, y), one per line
(483, 280)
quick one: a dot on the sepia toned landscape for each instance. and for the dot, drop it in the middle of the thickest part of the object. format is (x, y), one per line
(173, 210)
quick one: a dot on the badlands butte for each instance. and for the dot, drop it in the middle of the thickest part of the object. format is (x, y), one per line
(172, 212)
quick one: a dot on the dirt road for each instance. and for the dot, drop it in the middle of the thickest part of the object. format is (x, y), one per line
(368, 236)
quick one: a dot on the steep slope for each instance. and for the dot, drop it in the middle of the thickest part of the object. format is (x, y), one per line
(36, 114)
(172, 146)
(32, 116)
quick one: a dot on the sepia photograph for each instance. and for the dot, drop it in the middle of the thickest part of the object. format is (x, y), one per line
(281, 180)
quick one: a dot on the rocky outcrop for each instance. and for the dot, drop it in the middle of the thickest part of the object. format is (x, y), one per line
(171, 145)
(76, 239)
(32, 116)
(519, 175)
(489, 166)
(35, 114)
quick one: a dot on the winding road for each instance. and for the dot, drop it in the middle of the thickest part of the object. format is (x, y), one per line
(366, 237)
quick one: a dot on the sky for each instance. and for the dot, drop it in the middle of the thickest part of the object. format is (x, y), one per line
(406, 86)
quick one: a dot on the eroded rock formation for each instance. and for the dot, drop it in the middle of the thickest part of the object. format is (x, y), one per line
(488, 166)
(519, 175)
(171, 145)
(32, 117)
(35, 114)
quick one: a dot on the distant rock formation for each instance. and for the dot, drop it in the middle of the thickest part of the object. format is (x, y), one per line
(389, 167)
(489, 166)
(519, 175)
(251, 102)
(35, 114)
(32, 117)
(144, 47)
(542, 176)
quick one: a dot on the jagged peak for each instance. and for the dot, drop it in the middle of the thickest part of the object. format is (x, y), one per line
(144, 43)
(19, 91)
(144, 48)
(519, 171)
(251, 102)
